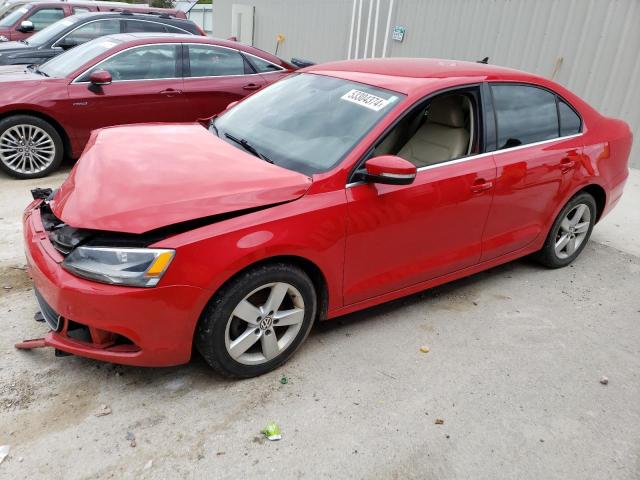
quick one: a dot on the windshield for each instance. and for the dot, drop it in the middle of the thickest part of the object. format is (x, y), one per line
(7, 9)
(13, 15)
(306, 122)
(71, 60)
(51, 32)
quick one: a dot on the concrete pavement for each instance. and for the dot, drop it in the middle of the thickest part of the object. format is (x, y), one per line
(516, 356)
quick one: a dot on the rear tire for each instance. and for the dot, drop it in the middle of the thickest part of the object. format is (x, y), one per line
(257, 321)
(570, 232)
(30, 147)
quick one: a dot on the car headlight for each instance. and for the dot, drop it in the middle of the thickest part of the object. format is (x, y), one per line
(3, 38)
(135, 267)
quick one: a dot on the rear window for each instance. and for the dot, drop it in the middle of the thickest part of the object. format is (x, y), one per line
(569, 120)
(262, 66)
(525, 114)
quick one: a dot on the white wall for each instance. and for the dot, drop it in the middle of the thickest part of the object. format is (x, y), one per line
(590, 46)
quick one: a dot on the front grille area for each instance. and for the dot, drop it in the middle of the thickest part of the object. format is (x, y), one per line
(63, 237)
(53, 318)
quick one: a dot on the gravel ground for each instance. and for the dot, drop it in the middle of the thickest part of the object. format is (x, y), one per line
(516, 358)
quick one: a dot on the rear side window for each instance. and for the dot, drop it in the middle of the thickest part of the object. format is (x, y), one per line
(140, 26)
(211, 61)
(262, 66)
(45, 17)
(569, 120)
(524, 114)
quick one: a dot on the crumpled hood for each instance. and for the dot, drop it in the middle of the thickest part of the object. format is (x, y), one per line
(139, 178)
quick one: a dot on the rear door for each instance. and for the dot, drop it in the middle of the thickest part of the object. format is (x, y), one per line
(214, 77)
(535, 160)
(147, 87)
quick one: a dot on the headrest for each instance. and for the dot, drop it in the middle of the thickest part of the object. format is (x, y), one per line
(447, 111)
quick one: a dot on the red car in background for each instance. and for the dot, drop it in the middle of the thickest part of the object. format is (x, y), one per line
(21, 20)
(333, 190)
(49, 111)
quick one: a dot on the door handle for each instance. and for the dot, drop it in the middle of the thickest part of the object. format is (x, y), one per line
(251, 86)
(170, 92)
(567, 164)
(480, 185)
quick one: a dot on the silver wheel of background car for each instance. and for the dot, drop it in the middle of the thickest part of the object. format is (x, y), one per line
(264, 323)
(573, 230)
(27, 149)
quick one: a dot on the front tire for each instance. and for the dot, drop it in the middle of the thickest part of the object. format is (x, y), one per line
(570, 232)
(256, 322)
(29, 147)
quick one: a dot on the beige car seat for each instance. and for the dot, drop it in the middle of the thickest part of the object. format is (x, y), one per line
(443, 135)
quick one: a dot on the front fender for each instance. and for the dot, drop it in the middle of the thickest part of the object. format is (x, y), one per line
(312, 228)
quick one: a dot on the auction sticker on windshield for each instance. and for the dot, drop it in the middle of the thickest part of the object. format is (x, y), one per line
(367, 100)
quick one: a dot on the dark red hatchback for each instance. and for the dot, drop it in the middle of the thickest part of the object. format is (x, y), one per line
(48, 112)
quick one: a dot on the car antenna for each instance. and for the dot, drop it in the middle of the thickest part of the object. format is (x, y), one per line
(485, 60)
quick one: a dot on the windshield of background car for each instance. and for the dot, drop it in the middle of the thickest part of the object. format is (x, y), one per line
(13, 16)
(73, 59)
(51, 32)
(307, 122)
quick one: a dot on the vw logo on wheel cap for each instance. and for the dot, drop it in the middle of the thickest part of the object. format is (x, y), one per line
(266, 322)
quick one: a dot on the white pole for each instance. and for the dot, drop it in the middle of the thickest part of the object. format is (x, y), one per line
(366, 38)
(358, 30)
(386, 35)
(353, 19)
(375, 30)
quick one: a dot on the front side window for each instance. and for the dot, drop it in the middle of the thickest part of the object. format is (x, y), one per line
(306, 122)
(140, 63)
(45, 17)
(210, 61)
(525, 114)
(443, 129)
(12, 16)
(89, 31)
(140, 26)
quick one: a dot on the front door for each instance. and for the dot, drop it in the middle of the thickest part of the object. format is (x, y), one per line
(146, 87)
(399, 236)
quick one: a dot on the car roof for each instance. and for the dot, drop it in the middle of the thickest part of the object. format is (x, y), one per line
(128, 14)
(158, 37)
(407, 74)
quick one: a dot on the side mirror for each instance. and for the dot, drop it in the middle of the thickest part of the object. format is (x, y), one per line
(26, 26)
(65, 44)
(231, 105)
(390, 170)
(100, 77)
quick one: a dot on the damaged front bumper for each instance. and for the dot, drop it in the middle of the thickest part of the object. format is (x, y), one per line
(125, 325)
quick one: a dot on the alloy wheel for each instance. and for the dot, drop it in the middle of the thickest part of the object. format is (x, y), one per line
(573, 231)
(26, 149)
(265, 323)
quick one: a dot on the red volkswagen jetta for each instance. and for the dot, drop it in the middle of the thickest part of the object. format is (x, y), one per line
(48, 112)
(333, 190)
